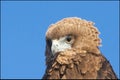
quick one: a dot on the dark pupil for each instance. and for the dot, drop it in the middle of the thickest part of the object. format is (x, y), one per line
(68, 38)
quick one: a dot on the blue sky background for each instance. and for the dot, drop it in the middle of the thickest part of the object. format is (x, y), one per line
(23, 27)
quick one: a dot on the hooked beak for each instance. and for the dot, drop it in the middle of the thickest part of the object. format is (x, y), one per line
(58, 46)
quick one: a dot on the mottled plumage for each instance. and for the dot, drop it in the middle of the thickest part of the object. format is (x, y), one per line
(72, 51)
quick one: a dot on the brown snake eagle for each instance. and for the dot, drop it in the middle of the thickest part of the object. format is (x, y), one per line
(72, 51)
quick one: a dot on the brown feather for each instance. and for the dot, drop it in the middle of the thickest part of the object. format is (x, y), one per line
(89, 66)
(84, 60)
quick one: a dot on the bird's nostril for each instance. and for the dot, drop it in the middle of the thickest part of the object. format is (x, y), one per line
(57, 45)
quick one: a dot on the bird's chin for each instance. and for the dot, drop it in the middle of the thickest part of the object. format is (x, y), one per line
(56, 54)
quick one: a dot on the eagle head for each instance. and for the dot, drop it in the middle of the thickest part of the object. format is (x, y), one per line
(70, 34)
